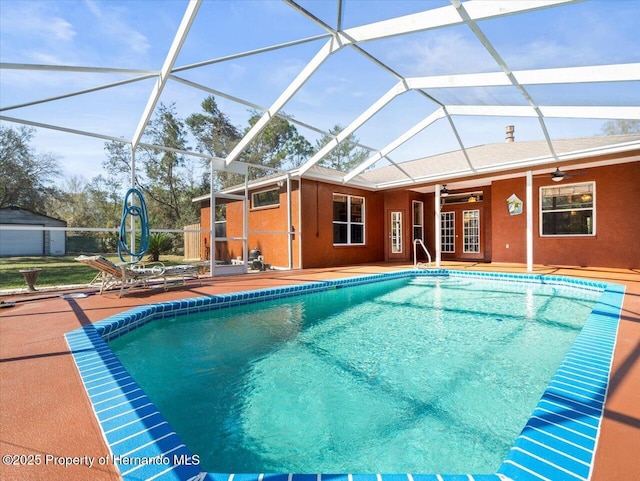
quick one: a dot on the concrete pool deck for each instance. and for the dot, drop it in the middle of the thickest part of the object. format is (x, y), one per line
(45, 410)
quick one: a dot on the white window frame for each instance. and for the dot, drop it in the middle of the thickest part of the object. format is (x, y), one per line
(592, 208)
(443, 230)
(471, 231)
(396, 232)
(413, 220)
(349, 222)
(267, 206)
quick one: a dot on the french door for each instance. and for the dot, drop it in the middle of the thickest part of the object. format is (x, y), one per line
(461, 234)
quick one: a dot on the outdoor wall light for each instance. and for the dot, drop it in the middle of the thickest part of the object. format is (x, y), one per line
(444, 192)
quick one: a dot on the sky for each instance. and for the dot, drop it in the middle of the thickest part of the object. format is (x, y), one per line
(138, 35)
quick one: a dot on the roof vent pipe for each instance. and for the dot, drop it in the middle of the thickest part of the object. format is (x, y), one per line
(510, 131)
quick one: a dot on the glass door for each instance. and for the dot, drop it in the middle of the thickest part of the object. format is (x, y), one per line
(471, 231)
(461, 235)
(448, 232)
(396, 232)
(418, 220)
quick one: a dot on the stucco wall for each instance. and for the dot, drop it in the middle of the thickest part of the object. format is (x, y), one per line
(616, 243)
(317, 227)
(403, 201)
(267, 229)
(509, 231)
(617, 223)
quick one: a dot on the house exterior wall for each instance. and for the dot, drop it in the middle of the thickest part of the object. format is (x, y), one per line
(429, 226)
(267, 228)
(318, 249)
(509, 231)
(615, 243)
(484, 206)
(617, 222)
(402, 201)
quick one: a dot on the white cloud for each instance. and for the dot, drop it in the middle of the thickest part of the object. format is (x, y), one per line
(60, 29)
(428, 54)
(112, 22)
(284, 73)
(36, 21)
(237, 71)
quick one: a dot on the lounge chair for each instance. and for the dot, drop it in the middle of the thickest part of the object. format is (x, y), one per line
(127, 276)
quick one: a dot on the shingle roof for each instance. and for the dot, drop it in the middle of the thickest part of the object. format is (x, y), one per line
(493, 156)
(499, 157)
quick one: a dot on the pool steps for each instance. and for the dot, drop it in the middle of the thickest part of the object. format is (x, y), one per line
(558, 441)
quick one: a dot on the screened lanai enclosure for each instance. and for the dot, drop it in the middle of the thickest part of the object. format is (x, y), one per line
(208, 107)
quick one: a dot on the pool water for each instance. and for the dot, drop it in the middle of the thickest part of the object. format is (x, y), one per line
(406, 375)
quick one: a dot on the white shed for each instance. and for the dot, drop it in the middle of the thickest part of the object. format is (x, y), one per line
(14, 242)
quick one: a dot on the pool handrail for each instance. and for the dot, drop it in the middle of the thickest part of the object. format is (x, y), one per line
(424, 248)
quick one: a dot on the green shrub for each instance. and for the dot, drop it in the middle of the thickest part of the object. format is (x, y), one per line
(159, 243)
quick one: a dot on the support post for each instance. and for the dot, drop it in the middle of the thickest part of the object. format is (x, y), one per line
(289, 224)
(300, 266)
(529, 209)
(212, 222)
(438, 238)
(245, 223)
(132, 224)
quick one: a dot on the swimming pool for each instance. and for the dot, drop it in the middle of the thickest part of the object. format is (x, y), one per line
(502, 325)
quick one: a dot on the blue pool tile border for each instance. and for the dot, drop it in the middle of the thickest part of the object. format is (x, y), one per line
(558, 441)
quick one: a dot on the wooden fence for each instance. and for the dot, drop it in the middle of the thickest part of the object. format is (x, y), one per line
(192, 243)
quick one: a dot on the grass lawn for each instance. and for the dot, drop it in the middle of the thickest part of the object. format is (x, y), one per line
(56, 271)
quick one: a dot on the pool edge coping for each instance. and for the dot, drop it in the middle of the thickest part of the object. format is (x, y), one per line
(117, 390)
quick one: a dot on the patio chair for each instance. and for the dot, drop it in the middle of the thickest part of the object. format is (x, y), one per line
(127, 276)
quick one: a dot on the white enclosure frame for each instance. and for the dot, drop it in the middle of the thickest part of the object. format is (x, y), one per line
(459, 13)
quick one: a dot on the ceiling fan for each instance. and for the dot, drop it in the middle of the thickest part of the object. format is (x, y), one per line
(559, 175)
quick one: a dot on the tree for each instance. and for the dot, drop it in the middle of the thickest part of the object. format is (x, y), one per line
(28, 179)
(215, 135)
(277, 146)
(166, 172)
(621, 127)
(118, 162)
(346, 155)
(214, 132)
(97, 203)
(164, 176)
(299, 149)
(72, 204)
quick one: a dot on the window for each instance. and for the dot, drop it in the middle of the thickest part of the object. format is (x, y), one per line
(348, 219)
(471, 231)
(265, 198)
(447, 232)
(568, 210)
(221, 220)
(396, 232)
(418, 220)
(463, 198)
